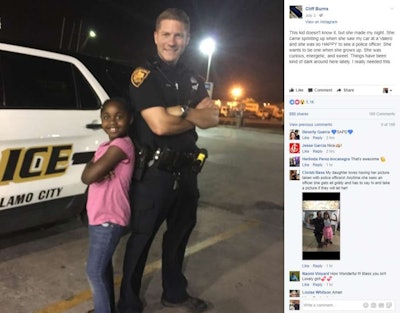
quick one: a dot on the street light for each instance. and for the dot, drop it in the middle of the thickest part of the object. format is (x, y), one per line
(207, 46)
(91, 34)
(236, 92)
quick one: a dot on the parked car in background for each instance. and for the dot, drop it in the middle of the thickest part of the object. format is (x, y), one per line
(278, 115)
(263, 114)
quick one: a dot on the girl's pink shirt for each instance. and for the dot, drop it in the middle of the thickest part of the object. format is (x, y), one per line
(108, 200)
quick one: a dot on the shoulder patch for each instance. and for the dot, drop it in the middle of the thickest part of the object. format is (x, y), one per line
(138, 76)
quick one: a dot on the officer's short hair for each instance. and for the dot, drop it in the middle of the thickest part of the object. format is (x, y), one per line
(174, 14)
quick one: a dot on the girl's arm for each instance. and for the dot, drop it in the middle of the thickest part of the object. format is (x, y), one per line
(99, 170)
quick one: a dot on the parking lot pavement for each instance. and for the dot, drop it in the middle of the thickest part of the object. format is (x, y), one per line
(235, 254)
(237, 263)
(234, 261)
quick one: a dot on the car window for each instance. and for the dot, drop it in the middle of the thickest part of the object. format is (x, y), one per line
(113, 76)
(33, 82)
(87, 97)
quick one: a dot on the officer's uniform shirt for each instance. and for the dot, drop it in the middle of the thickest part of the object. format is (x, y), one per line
(157, 84)
(318, 223)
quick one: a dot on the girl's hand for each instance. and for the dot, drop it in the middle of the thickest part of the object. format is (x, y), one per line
(109, 176)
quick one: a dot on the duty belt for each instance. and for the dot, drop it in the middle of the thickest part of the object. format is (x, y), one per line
(170, 160)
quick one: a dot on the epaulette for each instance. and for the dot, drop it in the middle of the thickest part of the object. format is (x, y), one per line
(153, 63)
(139, 75)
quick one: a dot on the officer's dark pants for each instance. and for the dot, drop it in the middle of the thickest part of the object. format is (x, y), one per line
(318, 236)
(154, 201)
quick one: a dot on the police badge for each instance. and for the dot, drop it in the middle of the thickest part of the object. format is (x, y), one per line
(138, 76)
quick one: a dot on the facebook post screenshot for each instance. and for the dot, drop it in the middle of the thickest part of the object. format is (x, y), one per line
(342, 159)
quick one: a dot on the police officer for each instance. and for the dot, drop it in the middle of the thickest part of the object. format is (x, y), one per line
(318, 223)
(169, 102)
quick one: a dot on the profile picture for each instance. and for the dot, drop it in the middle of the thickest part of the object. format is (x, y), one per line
(294, 293)
(294, 161)
(294, 305)
(294, 134)
(294, 276)
(294, 175)
(294, 147)
(296, 11)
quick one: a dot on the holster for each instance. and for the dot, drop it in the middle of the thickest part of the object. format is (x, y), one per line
(142, 158)
(199, 160)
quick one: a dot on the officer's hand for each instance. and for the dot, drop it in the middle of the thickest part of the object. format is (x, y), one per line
(206, 103)
(175, 110)
(204, 118)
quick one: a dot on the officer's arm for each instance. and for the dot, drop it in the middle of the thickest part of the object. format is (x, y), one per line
(206, 103)
(205, 115)
(163, 123)
(203, 118)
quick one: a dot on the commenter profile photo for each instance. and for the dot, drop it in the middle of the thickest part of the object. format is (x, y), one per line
(294, 134)
(294, 275)
(294, 175)
(294, 161)
(294, 293)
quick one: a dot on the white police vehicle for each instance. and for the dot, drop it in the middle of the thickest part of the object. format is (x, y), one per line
(50, 128)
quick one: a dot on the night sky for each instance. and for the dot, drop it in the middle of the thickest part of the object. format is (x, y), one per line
(249, 36)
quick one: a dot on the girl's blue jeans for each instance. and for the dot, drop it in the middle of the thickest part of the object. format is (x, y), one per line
(103, 240)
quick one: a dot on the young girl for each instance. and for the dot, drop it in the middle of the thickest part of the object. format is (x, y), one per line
(108, 175)
(327, 231)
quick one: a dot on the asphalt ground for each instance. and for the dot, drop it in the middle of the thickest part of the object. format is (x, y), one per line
(235, 254)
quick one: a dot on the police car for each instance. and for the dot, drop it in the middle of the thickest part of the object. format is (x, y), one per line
(50, 127)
